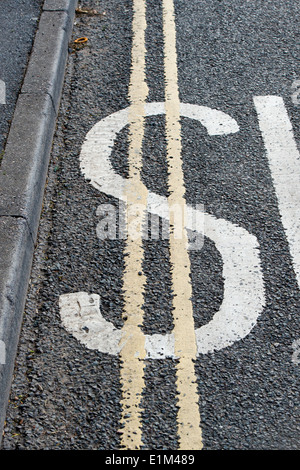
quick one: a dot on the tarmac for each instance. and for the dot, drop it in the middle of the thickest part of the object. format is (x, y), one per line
(23, 175)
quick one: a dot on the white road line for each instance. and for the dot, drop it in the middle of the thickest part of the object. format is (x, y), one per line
(284, 162)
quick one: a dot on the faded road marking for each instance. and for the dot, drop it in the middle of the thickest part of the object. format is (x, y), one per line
(189, 431)
(243, 284)
(284, 162)
(133, 352)
(244, 297)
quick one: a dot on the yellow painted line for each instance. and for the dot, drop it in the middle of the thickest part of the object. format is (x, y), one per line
(189, 431)
(133, 353)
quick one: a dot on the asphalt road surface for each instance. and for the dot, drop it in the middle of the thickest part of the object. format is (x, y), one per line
(138, 341)
(18, 23)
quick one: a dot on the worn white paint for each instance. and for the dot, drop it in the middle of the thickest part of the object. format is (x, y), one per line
(244, 295)
(243, 298)
(98, 144)
(160, 346)
(81, 316)
(284, 161)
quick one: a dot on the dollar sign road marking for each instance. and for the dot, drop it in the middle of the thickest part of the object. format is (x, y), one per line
(244, 296)
(243, 286)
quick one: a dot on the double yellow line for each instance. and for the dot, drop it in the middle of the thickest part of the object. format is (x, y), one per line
(133, 351)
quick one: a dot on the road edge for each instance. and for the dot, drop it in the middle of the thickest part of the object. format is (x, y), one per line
(23, 176)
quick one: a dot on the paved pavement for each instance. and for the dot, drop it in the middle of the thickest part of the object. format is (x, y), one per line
(18, 20)
(129, 340)
(33, 54)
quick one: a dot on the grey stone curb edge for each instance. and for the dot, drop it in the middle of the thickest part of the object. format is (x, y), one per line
(23, 174)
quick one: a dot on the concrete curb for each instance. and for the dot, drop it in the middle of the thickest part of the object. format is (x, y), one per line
(23, 175)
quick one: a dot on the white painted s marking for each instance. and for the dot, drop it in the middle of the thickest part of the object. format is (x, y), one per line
(244, 295)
